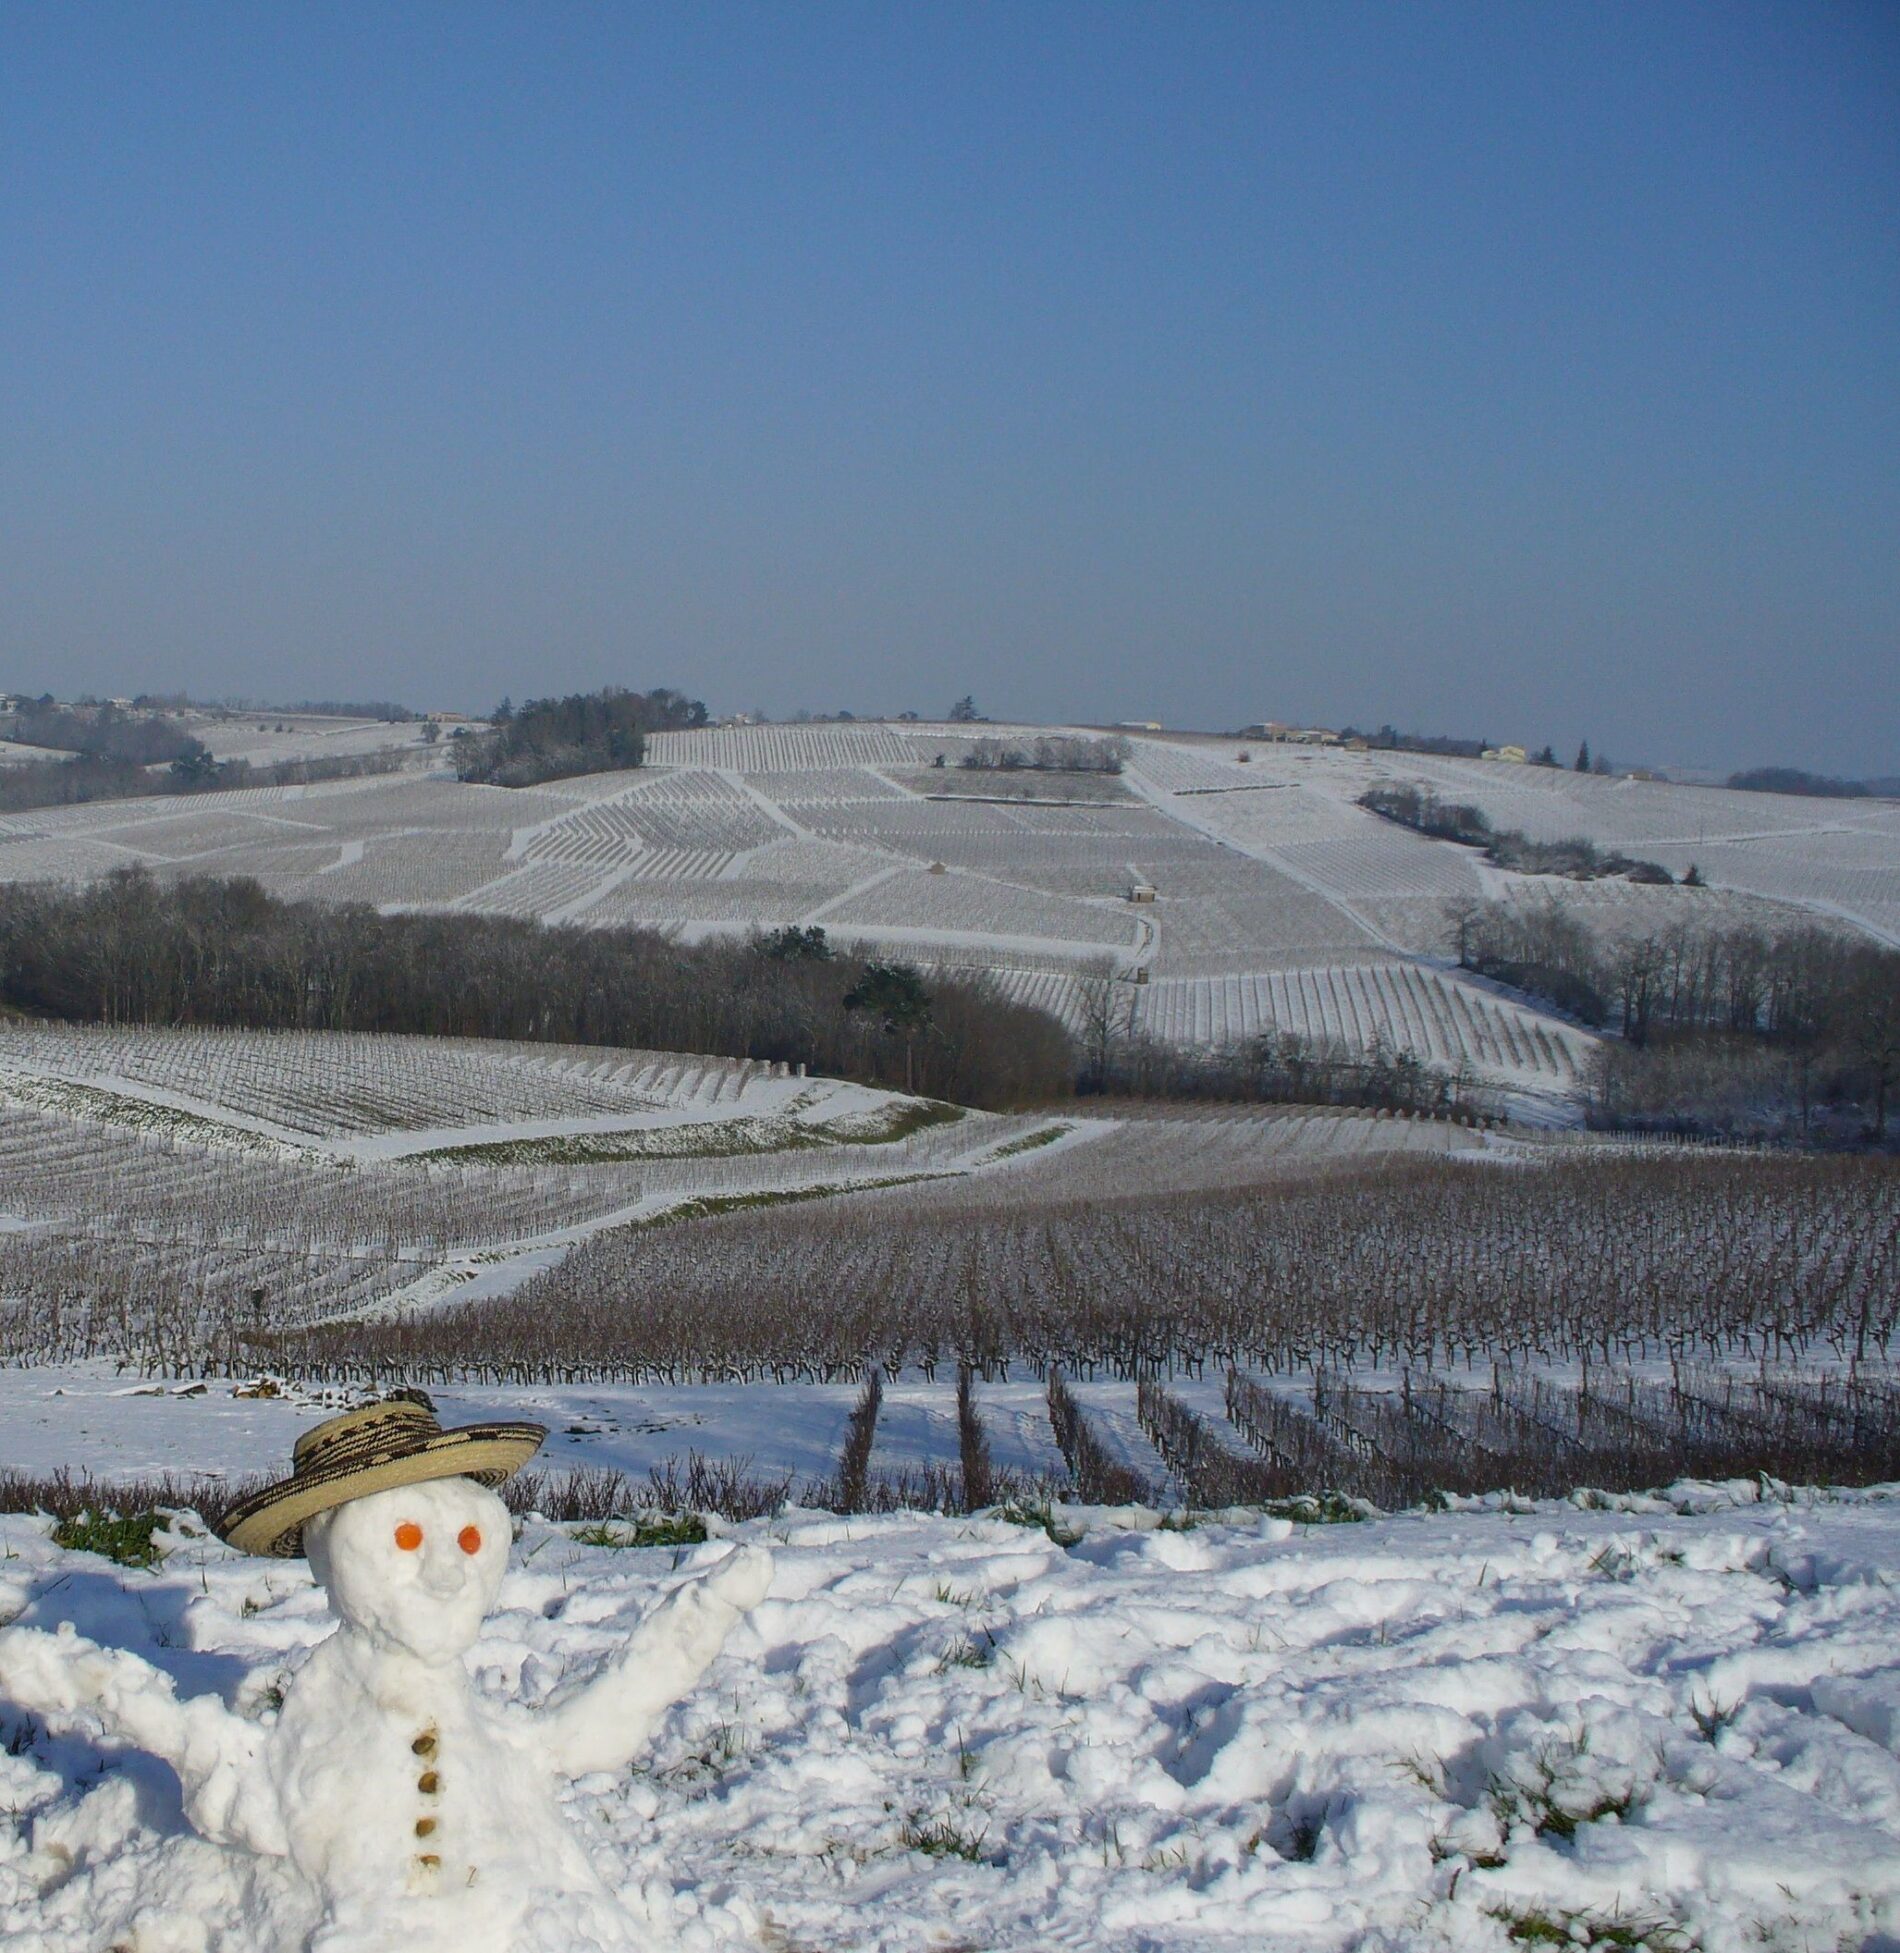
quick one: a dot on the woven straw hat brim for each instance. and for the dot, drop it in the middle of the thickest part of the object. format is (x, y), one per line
(271, 1522)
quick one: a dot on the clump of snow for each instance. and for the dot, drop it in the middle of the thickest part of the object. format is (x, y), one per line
(1427, 1731)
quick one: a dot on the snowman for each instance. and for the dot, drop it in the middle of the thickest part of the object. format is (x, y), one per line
(420, 1815)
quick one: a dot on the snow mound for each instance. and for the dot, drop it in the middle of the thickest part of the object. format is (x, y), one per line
(1425, 1731)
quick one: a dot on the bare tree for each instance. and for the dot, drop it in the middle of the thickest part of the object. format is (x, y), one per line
(1106, 1007)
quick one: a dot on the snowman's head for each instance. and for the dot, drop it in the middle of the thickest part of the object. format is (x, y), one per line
(416, 1568)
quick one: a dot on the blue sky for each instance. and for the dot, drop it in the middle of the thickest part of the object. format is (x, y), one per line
(1530, 370)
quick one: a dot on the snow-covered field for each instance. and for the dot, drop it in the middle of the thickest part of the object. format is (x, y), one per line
(266, 738)
(230, 1181)
(1280, 902)
(368, 1095)
(1672, 1725)
(1662, 1721)
(1834, 858)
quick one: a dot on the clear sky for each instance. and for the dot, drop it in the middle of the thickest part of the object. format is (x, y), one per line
(1525, 370)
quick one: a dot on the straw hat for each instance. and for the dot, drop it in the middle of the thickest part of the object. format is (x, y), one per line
(373, 1449)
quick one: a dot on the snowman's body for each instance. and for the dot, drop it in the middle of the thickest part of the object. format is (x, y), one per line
(421, 1815)
(367, 1750)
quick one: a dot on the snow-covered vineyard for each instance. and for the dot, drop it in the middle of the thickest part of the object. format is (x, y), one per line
(169, 1193)
(1200, 1306)
(1279, 902)
(1667, 1725)
(1039, 1413)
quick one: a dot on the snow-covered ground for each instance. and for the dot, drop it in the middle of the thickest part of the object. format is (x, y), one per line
(113, 1426)
(368, 1096)
(1281, 902)
(1675, 1723)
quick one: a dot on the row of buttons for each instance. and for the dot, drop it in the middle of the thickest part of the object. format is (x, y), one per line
(430, 1784)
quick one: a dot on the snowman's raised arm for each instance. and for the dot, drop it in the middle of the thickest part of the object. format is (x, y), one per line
(605, 1722)
(229, 1798)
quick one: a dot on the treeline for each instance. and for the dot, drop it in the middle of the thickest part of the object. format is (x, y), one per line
(1790, 779)
(1284, 1068)
(1576, 858)
(130, 950)
(329, 708)
(1388, 739)
(586, 732)
(1730, 1029)
(250, 708)
(85, 777)
(1063, 753)
(103, 732)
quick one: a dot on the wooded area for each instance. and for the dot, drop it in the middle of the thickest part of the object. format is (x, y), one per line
(559, 738)
(1721, 1027)
(131, 950)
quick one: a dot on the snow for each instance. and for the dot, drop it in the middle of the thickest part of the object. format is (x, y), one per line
(411, 1809)
(124, 1428)
(938, 1732)
(1273, 881)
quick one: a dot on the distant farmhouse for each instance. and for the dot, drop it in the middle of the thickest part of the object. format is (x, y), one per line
(1273, 731)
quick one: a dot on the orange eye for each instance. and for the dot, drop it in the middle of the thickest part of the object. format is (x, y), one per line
(408, 1535)
(469, 1539)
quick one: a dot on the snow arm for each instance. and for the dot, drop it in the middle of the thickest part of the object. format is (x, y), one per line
(229, 1798)
(603, 1724)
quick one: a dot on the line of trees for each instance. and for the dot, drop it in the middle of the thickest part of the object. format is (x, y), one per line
(1790, 779)
(1576, 858)
(1722, 1028)
(101, 732)
(585, 732)
(1063, 753)
(1388, 739)
(86, 777)
(129, 949)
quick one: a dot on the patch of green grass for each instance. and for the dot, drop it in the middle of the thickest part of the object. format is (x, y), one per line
(1557, 1821)
(943, 1837)
(707, 1206)
(1316, 1509)
(882, 1125)
(710, 1139)
(128, 1538)
(1549, 1798)
(654, 1529)
(1600, 1932)
(1042, 1136)
(1038, 1512)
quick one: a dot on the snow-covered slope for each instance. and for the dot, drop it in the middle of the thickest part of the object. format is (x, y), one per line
(1669, 1726)
(1279, 901)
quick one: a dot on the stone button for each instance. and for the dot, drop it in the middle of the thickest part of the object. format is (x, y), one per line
(424, 1745)
(424, 1825)
(429, 1783)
